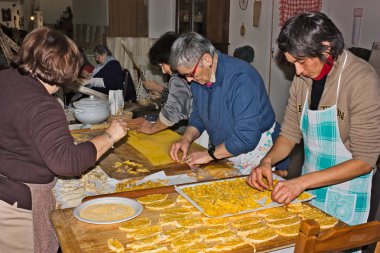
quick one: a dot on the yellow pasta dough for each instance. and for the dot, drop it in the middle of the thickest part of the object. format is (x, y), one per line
(148, 199)
(115, 245)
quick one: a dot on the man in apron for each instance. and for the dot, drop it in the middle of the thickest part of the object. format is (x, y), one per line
(229, 102)
(334, 108)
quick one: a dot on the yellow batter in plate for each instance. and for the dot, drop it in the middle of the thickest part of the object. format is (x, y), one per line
(107, 212)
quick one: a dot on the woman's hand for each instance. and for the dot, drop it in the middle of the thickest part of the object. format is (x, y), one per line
(155, 95)
(83, 81)
(263, 170)
(146, 127)
(153, 86)
(286, 191)
(181, 145)
(200, 157)
(118, 129)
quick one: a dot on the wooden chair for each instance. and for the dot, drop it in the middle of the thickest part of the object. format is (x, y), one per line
(336, 239)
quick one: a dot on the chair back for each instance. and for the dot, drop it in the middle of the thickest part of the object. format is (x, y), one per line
(129, 90)
(336, 239)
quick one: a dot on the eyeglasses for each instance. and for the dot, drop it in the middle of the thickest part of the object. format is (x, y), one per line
(191, 75)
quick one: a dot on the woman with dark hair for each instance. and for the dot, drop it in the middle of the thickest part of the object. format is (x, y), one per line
(35, 142)
(177, 106)
(108, 74)
(334, 107)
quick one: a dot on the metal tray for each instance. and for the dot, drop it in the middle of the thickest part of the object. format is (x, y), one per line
(179, 189)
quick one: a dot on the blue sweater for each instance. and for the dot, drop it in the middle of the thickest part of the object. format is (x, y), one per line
(236, 109)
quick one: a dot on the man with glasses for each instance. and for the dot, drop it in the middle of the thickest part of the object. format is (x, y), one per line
(229, 102)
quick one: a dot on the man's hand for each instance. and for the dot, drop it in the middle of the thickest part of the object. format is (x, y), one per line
(200, 157)
(181, 145)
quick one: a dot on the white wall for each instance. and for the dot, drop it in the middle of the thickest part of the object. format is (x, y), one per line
(257, 37)
(94, 12)
(161, 15)
(52, 9)
(341, 13)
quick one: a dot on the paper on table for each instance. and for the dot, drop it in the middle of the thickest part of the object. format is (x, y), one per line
(172, 180)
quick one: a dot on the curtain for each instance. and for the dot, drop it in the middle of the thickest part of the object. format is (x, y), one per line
(290, 8)
(139, 47)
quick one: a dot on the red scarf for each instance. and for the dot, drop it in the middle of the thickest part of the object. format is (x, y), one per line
(326, 68)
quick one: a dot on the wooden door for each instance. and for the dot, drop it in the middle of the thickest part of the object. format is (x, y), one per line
(207, 17)
(218, 18)
(128, 18)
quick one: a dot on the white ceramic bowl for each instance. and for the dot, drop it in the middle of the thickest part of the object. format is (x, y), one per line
(91, 110)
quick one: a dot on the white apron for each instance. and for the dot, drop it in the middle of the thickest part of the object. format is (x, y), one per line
(246, 162)
(348, 201)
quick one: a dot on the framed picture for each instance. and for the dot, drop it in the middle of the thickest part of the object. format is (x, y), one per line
(6, 14)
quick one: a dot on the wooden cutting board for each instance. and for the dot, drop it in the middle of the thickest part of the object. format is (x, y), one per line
(76, 236)
(125, 151)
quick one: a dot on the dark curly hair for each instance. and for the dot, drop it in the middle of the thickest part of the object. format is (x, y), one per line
(302, 37)
(50, 56)
(160, 51)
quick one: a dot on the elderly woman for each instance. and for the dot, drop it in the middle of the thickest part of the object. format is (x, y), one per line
(229, 102)
(35, 142)
(108, 74)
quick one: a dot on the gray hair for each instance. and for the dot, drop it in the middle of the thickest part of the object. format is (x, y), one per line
(188, 49)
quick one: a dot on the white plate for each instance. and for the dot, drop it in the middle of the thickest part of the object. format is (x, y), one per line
(109, 200)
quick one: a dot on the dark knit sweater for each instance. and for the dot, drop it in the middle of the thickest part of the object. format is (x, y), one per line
(35, 142)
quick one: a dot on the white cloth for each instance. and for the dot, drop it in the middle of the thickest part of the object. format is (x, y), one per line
(246, 162)
(96, 82)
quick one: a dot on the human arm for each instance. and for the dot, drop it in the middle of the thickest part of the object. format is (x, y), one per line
(116, 131)
(152, 85)
(151, 128)
(286, 191)
(251, 113)
(48, 129)
(202, 157)
(110, 77)
(179, 102)
(280, 149)
(183, 145)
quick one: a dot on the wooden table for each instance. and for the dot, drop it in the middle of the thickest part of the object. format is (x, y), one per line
(79, 237)
(124, 151)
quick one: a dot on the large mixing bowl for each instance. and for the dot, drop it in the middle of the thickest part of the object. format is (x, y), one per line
(91, 110)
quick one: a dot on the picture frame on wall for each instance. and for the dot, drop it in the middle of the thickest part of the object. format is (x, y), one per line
(6, 15)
